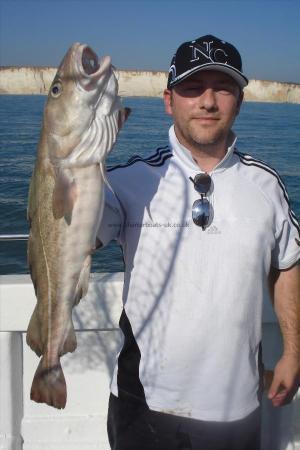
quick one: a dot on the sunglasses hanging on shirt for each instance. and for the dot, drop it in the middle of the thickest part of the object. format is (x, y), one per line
(201, 206)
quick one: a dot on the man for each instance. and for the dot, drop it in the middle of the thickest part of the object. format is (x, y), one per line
(203, 229)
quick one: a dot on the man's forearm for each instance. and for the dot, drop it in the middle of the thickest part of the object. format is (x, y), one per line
(286, 292)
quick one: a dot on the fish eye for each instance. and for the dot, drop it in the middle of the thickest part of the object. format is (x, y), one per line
(56, 89)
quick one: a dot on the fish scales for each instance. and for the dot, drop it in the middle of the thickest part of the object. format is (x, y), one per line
(81, 121)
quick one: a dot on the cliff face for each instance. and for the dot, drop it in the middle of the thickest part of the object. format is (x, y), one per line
(272, 91)
(37, 80)
(26, 80)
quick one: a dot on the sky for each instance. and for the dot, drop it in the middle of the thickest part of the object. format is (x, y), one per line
(144, 34)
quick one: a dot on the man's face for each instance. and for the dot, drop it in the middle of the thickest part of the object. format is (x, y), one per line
(204, 107)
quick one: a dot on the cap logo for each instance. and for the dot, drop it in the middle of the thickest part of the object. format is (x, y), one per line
(206, 53)
(210, 53)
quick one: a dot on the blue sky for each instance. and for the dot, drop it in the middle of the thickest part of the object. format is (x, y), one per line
(143, 34)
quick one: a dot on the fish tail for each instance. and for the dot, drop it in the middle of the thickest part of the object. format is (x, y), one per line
(33, 335)
(49, 385)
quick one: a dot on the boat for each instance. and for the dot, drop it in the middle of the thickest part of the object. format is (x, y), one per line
(26, 425)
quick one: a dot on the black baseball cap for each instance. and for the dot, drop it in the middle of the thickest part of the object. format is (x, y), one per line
(206, 53)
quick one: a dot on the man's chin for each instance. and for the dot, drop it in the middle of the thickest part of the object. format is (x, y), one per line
(208, 140)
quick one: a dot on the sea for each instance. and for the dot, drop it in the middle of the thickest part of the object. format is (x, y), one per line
(268, 131)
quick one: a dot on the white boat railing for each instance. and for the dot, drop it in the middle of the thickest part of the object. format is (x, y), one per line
(26, 425)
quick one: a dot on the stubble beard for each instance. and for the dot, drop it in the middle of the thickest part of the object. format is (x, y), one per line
(204, 144)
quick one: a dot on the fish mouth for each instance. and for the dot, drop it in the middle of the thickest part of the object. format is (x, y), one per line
(89, 61)
(89, 66)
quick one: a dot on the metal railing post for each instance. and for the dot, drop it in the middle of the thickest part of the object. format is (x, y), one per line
(13, 237)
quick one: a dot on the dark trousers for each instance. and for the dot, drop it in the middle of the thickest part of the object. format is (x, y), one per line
(132, 426)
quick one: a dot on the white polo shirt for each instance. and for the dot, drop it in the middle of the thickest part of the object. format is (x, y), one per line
(192, 298)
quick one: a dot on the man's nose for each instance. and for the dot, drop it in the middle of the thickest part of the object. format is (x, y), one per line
(208, 99)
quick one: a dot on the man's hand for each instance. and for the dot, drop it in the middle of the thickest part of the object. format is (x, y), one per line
(285, 293)
(285, 382)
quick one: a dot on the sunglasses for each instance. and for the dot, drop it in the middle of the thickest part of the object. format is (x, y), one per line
(201, 207)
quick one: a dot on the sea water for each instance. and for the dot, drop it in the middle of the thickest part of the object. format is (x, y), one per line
(268, 131)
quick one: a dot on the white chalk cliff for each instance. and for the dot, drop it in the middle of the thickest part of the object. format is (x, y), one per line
(135, 83)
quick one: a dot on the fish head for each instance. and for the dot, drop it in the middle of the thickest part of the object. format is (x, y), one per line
(83, 113)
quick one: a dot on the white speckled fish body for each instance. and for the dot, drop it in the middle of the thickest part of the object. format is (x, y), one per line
(82, 118)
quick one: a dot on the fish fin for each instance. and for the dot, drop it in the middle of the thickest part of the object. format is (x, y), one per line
(83, 281)
(103, 173)
(30, 262)
(33, 335)
(64, 197)
(31, 207)
(123, 115)
(49, 385)
(70, 342)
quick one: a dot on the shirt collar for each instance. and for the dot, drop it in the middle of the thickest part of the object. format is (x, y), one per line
(185, 156)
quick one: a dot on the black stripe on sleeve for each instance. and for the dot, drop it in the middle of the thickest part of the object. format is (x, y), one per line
(161, 155)
(261, 370)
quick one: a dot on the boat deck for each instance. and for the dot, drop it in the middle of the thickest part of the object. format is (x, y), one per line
(26, 425)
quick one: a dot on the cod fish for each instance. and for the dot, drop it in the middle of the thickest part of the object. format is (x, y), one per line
(82, 117)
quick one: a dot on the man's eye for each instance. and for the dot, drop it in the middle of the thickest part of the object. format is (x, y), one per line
(224, 89)
(193, 88)
(188, 88)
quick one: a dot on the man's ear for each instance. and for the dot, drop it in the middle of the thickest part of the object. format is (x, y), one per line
(168, 101)
(239, 102)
